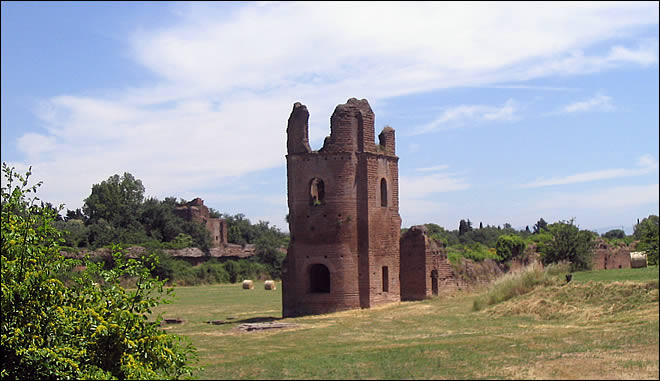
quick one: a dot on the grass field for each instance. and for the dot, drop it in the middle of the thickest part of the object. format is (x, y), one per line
(587, 329)
(640, 275)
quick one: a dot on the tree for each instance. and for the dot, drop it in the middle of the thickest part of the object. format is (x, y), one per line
(267, 250)
(509, 247)
(570, 244)
(540, 226)
(74, 231)
(115, 200)
(463, 227)
(75, 215)
(646, 232)
(55, 211)
(61, 324)
(439, 233)
(614, 234)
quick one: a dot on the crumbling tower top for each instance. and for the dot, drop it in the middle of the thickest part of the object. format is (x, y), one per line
(351, 130)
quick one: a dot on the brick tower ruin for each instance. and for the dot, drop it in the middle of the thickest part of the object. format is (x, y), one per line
(343, 214)
(196, 211)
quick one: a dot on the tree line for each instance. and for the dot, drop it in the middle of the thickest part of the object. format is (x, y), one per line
(116, 212)
(559, 241)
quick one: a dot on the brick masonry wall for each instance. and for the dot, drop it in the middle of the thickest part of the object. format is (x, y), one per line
(196, 211)
(413, 265)
(421, 256)
(349, 231)
(608, 257)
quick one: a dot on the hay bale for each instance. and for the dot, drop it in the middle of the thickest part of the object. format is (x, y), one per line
(248, 285)
(638, 259)
(270, 285)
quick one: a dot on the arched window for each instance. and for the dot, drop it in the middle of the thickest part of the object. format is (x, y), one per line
(383, 192)
(316, 192)
(319, 279)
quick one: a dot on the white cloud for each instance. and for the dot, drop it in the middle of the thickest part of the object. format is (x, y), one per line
(417, 212)
(414, 147)
(415, 187)
(619, 197)
(433, 169)
(574, 62)
(646, 164)
(227, 81)
(597, 102)
(456, 116)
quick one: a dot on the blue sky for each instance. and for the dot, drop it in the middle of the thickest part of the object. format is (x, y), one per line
(504, 112)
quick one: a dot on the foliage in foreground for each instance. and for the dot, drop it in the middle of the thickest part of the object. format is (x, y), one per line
(81, 326)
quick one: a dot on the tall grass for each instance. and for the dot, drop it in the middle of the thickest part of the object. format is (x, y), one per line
(521, 282)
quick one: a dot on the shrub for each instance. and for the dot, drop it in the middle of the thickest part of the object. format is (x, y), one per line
(58, 324)
(509, 247)
(570, 244)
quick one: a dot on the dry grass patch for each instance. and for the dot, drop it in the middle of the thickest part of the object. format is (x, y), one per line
(586, 302)
(638, 363)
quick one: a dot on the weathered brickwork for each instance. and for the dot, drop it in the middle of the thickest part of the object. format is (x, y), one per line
(343, 214)
(425, 269)
(610, 257)
(196, 211)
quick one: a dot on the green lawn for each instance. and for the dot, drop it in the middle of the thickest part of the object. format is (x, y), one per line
(437, 338)
(639, 275)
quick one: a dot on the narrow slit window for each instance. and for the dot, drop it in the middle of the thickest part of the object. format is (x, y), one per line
(383, 192)
(386, 279)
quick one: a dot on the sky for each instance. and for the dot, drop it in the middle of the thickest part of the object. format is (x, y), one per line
(503, 112)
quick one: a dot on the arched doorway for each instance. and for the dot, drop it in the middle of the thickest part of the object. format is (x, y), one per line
(319, 279)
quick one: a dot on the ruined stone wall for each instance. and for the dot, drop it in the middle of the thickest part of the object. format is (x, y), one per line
(191, 255)
(607, 257)
(336, 218)
(414, 264)
(384, 227)
(425, 268)
(196, 211)
(321, 234)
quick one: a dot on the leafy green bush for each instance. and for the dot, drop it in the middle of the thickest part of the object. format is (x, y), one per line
(62, 324)
(569, 244)
(647, 233)
(179, 272)
(479, 252)
(509, 247)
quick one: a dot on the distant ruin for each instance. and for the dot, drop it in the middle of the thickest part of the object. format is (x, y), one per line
(196, 211)
(606, 256)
